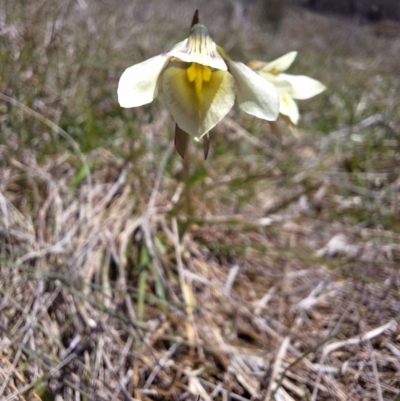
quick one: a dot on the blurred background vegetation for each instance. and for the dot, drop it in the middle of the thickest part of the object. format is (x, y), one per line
(109, 290)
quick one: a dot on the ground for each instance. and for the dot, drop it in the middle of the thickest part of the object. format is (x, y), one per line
(281, 278)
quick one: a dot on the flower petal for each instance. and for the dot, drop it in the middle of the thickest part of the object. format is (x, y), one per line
(193, 114)
(288, 107)
(255, 95)
(181, 140)
(206, 145)
(303, 87)
(280, 64)
(199, 48)
(282, 86)
(138, 84)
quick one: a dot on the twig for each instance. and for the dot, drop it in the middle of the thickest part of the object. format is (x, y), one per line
(375, 370)
(160, 365)
(233, 272)
(376, 118)
(391, 325)
(273, 386)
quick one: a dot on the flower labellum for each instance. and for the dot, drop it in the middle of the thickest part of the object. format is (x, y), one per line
(288, 86)
(199, 84)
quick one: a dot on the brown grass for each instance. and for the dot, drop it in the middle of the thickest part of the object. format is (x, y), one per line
(284, 282)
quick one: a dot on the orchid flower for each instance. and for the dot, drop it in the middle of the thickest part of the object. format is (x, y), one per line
(199, 83)
(289, 87)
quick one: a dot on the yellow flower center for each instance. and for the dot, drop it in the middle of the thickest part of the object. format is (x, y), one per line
(198, 74)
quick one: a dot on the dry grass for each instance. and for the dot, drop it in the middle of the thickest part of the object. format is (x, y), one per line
(283, 284)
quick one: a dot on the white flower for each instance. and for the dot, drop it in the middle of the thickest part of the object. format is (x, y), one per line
(289, 87)
(199, 84)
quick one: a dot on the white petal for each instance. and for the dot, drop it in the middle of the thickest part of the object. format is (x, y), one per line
(138, 84)
(288, 107)
(195, 115)
(280, 64)
(255, 95)
(303, 87)
(282, 86)
(206, 54)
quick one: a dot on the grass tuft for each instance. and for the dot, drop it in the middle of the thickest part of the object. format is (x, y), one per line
(283, 280)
